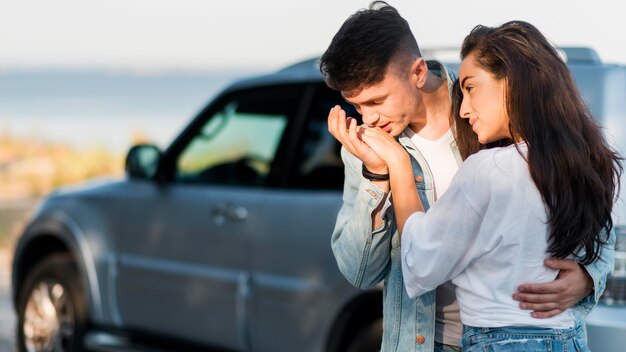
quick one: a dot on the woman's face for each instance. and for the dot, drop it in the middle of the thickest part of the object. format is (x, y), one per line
(483, 101)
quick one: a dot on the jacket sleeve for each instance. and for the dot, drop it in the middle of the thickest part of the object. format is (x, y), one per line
(363, 256)
(599, 271)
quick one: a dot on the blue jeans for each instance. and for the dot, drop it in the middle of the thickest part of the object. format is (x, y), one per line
(520, 338)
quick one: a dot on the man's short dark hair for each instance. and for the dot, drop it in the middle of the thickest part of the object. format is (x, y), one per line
(364, 46)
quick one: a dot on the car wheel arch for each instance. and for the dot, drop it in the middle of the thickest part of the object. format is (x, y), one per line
(356, 315)
(49, 238)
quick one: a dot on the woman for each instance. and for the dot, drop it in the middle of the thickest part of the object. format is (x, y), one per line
(549, 193)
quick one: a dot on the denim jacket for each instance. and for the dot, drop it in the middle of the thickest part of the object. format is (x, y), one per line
(367, 258)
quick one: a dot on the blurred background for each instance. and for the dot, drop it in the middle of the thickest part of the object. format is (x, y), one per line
(82, 81)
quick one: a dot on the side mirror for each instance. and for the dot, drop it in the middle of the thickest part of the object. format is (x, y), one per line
(143, 161)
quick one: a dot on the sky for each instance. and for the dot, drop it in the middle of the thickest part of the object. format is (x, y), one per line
(209, 35)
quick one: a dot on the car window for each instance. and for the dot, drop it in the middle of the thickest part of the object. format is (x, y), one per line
(318, 162)
(239, 141)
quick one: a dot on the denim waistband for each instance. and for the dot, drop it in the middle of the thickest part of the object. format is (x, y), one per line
(472, 335)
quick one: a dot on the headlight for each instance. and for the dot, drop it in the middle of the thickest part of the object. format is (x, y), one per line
(615, 292)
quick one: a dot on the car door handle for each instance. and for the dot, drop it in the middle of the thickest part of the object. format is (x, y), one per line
(237, 213)
(229, 212)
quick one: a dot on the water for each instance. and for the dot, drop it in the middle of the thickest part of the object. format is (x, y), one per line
(104, 108)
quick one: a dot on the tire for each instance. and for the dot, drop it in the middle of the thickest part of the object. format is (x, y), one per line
(369, 339)
(52, 307)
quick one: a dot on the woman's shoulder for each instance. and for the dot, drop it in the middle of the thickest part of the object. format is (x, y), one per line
(497, 153)
(487, 157)
(495, 162)
(488, 175)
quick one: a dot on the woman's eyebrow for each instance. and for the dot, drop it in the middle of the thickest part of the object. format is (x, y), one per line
(465, 79)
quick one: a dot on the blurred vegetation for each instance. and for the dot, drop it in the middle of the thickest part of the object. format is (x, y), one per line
(30, 168)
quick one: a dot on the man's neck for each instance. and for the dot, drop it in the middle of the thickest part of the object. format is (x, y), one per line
(436, 109)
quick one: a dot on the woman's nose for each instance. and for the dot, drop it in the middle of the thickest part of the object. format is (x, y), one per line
(464, 111)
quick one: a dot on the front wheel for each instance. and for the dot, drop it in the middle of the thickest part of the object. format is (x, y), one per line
(52, 307)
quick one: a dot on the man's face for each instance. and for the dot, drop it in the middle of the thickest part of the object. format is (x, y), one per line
(390, 104)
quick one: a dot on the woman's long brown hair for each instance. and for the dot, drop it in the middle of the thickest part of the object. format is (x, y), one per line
(576, 171)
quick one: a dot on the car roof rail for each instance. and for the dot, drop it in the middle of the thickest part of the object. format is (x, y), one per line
(442, 53)
(570, 54)
(580, 55)
(302, 65)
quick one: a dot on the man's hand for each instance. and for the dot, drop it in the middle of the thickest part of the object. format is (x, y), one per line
(551, 298)
(345, 130)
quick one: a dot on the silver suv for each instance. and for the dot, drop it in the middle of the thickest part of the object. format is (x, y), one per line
(222, 241)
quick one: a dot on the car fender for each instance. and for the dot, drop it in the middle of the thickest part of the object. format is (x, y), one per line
(88, 244)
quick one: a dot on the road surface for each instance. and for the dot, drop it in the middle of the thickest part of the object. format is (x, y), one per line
(7, 316)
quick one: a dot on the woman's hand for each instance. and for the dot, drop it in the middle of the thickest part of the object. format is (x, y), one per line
(384, 145)
(402, 182)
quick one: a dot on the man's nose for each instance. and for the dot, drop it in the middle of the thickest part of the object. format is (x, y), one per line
(370, 117)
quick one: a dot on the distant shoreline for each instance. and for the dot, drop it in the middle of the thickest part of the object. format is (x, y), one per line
(104, 109)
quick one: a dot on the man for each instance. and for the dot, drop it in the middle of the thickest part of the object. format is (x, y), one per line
(375, 62)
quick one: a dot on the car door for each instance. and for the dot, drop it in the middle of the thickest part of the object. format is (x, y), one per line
(185, 263)
(296, 281)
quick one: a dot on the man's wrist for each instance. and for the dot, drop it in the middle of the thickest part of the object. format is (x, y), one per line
(374, 176)
(589, 280)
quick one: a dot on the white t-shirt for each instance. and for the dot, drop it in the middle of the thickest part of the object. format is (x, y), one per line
(488, 234)
(439, 157)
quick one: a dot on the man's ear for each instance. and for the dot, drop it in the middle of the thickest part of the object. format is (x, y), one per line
(419, 72)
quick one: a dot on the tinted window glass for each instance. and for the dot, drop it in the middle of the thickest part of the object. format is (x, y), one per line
(240, 140)
(318, 164)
